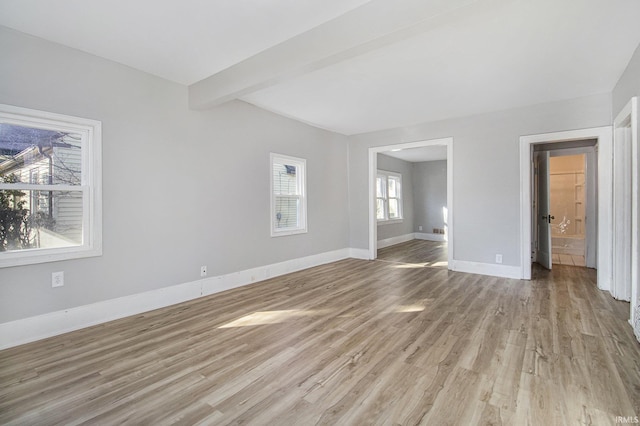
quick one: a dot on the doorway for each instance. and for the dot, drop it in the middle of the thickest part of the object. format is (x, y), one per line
(564, 218)
(568, 202)
(603, 209)
(446, 144)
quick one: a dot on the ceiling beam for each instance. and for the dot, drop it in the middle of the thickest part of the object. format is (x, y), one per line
(373, 25)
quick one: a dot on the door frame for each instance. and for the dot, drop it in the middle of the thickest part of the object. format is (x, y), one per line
(373, 169)
(604, 136)
(629, 114)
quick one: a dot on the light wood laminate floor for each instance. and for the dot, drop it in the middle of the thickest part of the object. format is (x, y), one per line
(353, 342)
(417, 253)
(568, 259)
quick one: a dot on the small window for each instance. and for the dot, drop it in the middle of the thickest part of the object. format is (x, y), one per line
(388, 196)
(288, 195)
(50, 200)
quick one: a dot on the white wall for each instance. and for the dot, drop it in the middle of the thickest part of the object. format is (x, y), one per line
(404, 168)
(486, 171)
(628, 85)
(155, 149)
(170, 176)
(429, 195)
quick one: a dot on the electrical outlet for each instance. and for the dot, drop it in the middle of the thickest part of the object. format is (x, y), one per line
(57, 279)
(498, 258)
(203, 271)
(420, 228)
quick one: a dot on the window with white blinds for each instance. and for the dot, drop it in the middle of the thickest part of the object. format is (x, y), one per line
(388, 196)
(50, 191)
(288, 195)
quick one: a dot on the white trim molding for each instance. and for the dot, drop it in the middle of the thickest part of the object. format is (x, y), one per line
(89, 134)
(30, 329)
(39, 327)
(357, 253)
(504, 271)
(626, 131)
(298, 168)
(604, 135)
(430, 237)
(387, 242)
(373, 171)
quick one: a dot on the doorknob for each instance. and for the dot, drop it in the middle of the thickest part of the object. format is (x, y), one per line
(549, 218)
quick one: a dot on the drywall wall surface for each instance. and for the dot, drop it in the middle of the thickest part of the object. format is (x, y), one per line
(486, 171)
(390, 230)
(628, 85)
(429, 195)
(181, 188)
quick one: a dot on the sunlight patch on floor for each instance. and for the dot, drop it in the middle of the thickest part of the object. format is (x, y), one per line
(269, 317)
(440, 264)
(409, 265)
(410, 308)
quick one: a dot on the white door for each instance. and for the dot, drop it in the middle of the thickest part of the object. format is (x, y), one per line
(544, 216)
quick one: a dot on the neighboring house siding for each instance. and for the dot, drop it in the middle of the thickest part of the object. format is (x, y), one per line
(67, 206)
(68, 215)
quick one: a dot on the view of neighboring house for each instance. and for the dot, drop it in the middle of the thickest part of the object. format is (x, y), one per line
(51, 217)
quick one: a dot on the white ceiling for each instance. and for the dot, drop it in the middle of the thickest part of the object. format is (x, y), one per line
(183, 41)
(354, 66)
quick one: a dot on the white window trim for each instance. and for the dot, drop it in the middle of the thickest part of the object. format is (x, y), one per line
(91, 185)
(386, 221)
(301, 165)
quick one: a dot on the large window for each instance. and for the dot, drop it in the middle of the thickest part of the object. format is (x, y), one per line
(288, 195)
(388, 197)
(50, 197)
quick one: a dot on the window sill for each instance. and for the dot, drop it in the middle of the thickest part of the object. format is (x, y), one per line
(32, 257)
(284, 233)
(389, 222)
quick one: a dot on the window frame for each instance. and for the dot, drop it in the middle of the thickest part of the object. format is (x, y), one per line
(386, 175)
(301, 178)
(90, 185)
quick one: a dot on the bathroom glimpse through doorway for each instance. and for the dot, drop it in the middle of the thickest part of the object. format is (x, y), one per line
(564, 218)
(602, 137)
(568, 206)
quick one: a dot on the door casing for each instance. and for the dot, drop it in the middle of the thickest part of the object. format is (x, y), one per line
(373, 169)
(605, 206)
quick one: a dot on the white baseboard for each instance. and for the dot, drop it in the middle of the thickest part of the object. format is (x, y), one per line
(429, 237)
(504, 271)
(387, 242)
(356, 253)
(30, 329)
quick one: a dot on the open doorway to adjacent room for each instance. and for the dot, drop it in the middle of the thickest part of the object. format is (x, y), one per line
(564, 214)
(411, 203)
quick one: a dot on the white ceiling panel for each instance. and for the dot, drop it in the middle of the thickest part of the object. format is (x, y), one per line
(520, 54)
(430, 59)
(183, 41)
